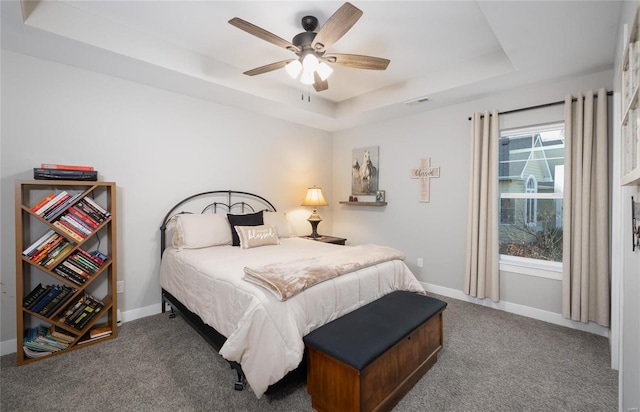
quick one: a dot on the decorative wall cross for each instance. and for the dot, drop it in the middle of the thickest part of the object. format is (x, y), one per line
(425, 172)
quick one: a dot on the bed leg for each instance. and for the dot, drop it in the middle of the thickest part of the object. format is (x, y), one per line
(241, 383)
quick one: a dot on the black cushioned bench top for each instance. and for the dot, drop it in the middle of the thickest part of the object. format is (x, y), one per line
(359, 337)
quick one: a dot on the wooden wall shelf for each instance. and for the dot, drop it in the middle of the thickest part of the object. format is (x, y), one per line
(346, 202)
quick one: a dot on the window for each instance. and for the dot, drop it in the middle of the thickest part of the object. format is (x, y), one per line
(531, 180)
(530, 212)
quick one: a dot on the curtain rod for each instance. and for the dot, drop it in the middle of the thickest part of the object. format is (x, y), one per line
(609, 93)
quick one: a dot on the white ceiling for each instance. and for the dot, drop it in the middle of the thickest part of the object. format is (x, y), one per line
(450, 51)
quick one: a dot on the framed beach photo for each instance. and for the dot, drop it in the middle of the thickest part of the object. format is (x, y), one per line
(380, 196)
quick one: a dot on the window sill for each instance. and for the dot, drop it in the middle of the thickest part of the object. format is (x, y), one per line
(531, 267)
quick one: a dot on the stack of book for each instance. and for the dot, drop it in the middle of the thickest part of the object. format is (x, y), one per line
(42, 341)
(54, 203)
(97, 332)
(80, 265)
(46, 300)
(47, 250)
(78, 314)
(64, 172)
(81, 219)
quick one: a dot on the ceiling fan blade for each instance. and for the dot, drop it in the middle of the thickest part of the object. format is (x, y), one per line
(319, 84)
(268, 68)
(338, 24)
(357, 61)
(262, 34)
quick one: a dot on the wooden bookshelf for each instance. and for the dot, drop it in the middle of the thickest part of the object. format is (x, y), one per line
(89, 256)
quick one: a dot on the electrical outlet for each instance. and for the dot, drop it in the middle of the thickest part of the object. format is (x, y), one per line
(420, 262)
(120, 286)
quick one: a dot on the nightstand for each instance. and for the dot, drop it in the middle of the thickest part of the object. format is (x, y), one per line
(327, 239)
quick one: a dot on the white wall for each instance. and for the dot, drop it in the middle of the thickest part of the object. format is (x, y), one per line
(159, 147)
(436, 231)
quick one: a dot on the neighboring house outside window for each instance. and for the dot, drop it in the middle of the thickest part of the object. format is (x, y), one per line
(531, 180)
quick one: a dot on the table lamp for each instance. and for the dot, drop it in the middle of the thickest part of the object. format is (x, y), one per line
(314, 198)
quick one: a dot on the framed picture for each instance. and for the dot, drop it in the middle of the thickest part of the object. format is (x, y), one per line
(380, 196)
(365, 171)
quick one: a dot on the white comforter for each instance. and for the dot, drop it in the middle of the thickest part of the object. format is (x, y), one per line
(263, 334)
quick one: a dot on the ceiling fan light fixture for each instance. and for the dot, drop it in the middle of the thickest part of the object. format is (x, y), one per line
(324, 71)
(310, 62)
(294, 68)
(307, 76)
(310, 47)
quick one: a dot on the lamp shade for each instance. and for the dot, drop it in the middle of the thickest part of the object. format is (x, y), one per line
(314, 197)
(294, 68)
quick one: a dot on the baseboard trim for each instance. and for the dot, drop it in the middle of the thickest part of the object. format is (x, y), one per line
(518, 309)
(11, 346)
(7, 347)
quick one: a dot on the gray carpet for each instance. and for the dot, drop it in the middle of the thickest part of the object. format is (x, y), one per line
(491, 361)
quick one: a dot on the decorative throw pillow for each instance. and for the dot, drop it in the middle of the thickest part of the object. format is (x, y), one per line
(194, 231)
(250, 219)
(280, 221)
(254, 236)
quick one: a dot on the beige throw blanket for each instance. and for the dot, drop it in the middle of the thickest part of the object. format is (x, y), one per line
(286, 279)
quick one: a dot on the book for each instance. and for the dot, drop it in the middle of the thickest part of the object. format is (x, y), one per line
(56, 254)
(42, 296)
(59, 333)
(75, 224)
(41, 333)
(95, 214)
(99, 255)
(83, 265)
(35, 294)
(44, 207)
(38, 242)
(48, 247)
(30, 353)
(97, 207)
(65, 293)
(84, 217)
(64, 174)
(93, 256)
(67, 231)
(66, 167)
(58, 201)
(90, 311)
(48, 297)
(53, 213)
(69, 274)
(100, 330)
(43, 201)
(71, 309)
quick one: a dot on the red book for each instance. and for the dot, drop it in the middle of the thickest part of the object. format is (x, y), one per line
(43, 202)
(85, 217)
(66, 167)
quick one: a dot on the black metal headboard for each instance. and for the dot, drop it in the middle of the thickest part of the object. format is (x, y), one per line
(242, 202)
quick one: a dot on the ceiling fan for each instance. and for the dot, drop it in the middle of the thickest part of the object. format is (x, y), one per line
(313, 60)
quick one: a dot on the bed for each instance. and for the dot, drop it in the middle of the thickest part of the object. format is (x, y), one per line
(257, 330)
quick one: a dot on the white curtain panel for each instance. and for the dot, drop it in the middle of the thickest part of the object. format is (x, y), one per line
(481, 265)
(585, 278)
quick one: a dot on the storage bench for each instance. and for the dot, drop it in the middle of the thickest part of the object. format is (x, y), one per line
(370, 358)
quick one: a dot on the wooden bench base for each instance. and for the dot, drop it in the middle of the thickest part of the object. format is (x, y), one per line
(379, 386)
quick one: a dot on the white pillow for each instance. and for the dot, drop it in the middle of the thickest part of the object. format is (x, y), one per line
(254, 236)
(280, 221)
(194, 231)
